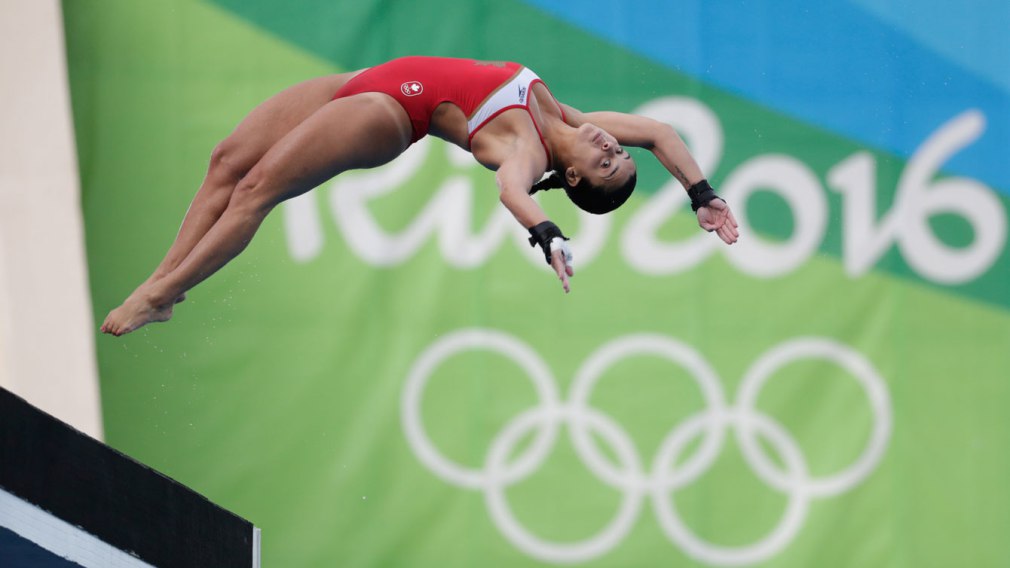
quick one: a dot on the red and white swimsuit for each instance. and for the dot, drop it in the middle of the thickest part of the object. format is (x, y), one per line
(482, 90)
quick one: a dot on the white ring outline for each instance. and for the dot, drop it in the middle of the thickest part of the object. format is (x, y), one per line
(698, 548)
(422, 369)
(857, 366)
(583, 550)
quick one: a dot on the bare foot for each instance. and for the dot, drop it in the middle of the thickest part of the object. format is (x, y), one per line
(134, 314)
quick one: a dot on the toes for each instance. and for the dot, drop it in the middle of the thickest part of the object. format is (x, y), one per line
(124, 320)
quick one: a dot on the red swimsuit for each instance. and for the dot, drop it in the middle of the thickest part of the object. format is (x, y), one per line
(420, 84)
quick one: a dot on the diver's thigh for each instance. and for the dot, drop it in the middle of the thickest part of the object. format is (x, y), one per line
(361, 131)
(274, 118)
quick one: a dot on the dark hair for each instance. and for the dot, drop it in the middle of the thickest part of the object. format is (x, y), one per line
(589, 198)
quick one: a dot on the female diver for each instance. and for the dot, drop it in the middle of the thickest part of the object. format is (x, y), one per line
(500, 112)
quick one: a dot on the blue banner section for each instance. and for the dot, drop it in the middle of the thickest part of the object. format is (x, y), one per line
(971, 34)
(885, 76)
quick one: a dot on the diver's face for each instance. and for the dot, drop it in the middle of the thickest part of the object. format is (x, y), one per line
(599, 159)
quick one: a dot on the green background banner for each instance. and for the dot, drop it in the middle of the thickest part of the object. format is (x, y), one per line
(372, 390)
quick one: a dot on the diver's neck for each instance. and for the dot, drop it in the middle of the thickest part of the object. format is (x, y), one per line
(560, 140)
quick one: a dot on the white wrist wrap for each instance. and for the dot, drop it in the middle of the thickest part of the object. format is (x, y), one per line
(557, 243)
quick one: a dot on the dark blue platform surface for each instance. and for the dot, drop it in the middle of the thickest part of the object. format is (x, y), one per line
(18, 552)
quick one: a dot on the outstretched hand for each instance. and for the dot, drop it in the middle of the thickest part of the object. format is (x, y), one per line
(717, 217)
(561, 262)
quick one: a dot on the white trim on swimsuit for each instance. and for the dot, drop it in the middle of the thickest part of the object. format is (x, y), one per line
(514, 94)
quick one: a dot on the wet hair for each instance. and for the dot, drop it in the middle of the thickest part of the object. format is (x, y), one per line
(592, 199)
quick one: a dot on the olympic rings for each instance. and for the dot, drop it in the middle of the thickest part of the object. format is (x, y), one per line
(665, 474)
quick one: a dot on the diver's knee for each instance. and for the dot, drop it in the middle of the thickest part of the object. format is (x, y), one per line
(226, 161)
(253, 192)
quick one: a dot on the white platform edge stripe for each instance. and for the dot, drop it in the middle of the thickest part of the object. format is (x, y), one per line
(60, 537)
(257, 540)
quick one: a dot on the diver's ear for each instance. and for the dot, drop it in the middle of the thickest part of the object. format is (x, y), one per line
(572, 177)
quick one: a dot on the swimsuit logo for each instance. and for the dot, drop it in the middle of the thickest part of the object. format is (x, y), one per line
(411, 88)
(522, 95)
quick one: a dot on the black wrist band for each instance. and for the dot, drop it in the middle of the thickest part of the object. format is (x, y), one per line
(701, 194)
(542, 234)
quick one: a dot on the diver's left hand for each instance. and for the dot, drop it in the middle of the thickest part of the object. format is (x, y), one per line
(716, 217)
